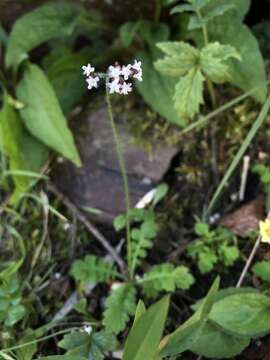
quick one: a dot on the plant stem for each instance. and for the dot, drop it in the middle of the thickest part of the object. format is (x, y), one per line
(157, 11)
(120, 156)
(206, 42)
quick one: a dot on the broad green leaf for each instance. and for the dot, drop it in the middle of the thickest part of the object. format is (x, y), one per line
(27, 352)
(65, 76)
(144, 337)
(24, 152)
(45, 23)
(219, 10)
(250, 72)
(128, 31)
(243, 314)
(160, 192)
(140, 309)
(189, 94)
(262, 270)
(238, 10)
(215, 343)
(186, 334)
(213, 60)
(181, 58)
(178, 9)
(61, 357)
(42, 114)
(120, 305)
(158, 90)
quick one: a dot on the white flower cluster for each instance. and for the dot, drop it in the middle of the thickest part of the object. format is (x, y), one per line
(116, 77)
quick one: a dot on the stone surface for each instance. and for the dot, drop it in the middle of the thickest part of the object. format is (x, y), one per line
(98, 184)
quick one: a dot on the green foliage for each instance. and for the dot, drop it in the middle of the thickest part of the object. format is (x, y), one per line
(15, 143)
(262, 270)
(166, 277)
(50, 127)
(186, 334)
(120, 305)
(11, 308)
(264, 174)
(212, 247)
(44, 23)
(193, 67)
(145, 335)
(91, 346)
(93, 270)
(61, 357)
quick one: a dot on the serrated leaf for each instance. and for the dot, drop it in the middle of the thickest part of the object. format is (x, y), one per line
(181, 58)
(157, 90)
(215, 343)
(93, 270)
(142, 241)
(189, 93)
(144, 337)
(24, 152)
(42, 24)
(213, 60)
(187, 333)
(166, 277)
(120, 305)
(262, 270)
(243, 314)
(50, 126)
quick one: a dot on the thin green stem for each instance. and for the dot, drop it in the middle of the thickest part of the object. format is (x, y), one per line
(119, 151)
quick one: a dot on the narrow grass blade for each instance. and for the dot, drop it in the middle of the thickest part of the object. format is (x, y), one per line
(255, 127)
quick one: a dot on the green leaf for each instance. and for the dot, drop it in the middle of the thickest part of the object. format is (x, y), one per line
(214, 64)
(250, 72)
(120, 305)
(140, 309)
(158, 90)
(219, 10)
(45, 23)
(93, 270)
(207, 260)
(178, 9)
(27, 352)
(166, 277)
(128, 31)
(24, 152)
(144, 337)
(67, 80)
(186, 334)
(262, 270)
(15, 314)
(215, 343)
(142, 241)
(202, 229)
(90, 346)
(243, 314)
(181, 58)
(189, 94)
(238, 8)
(60, 357)
(42, 114)
(160, 192)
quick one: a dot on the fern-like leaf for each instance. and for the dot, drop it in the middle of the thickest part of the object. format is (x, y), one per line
(142, 241)
(93, 270)
(120, 305)
(166, 277)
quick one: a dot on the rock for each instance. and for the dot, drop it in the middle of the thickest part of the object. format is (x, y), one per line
(98, 183)
(246, 218)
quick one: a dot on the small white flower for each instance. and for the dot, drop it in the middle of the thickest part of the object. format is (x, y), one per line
(88, 329)
(137, 70)
(126, 71)
(92, 82)
(114, 71)
(88, 69)
(114, 87)
(126, 88)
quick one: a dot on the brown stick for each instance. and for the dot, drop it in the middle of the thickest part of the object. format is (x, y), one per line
(89, 226)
